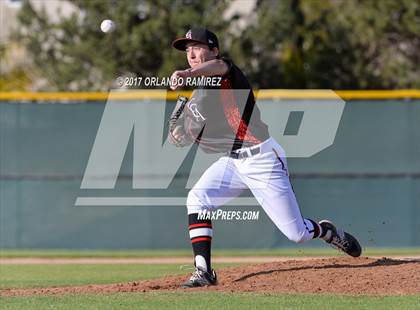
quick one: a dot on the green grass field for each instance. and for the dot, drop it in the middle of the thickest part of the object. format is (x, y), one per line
(287, 252)
(207, 301)
(28, 276)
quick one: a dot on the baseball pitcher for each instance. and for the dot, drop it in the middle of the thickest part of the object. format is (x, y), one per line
(225, 119)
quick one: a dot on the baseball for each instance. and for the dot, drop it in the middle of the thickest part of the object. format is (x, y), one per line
(107, 26)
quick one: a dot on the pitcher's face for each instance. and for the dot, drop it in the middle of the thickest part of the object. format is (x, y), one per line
(198, 53)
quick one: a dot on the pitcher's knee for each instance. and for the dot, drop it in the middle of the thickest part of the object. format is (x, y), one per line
(296, 237)
(195, 202)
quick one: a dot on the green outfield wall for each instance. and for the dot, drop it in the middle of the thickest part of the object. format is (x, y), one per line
(368, 182)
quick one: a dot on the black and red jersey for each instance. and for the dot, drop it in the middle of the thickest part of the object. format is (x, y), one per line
(225, 118)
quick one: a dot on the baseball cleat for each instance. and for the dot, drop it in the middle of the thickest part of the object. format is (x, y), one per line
(201, 278)
(340, 239)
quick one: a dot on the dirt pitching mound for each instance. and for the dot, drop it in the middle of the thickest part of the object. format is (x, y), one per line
(340, 275)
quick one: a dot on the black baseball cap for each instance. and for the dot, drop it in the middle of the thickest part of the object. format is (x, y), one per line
(198, 35)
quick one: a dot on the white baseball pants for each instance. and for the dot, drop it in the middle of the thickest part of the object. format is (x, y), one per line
(266, 175)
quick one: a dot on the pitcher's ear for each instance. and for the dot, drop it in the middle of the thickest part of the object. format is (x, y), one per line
(215, 51)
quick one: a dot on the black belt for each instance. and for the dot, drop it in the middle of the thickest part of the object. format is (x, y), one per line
(244, 154)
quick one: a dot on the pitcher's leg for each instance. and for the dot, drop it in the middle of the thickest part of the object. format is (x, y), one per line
(275, 194)
(218, 185)
(279, 202)
(267, 177)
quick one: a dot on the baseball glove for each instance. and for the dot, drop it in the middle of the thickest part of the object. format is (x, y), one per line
(177, 135)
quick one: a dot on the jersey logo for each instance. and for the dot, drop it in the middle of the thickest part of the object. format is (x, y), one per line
(194, 110)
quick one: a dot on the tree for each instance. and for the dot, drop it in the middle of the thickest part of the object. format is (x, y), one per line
(332, 44)
(73, 54)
